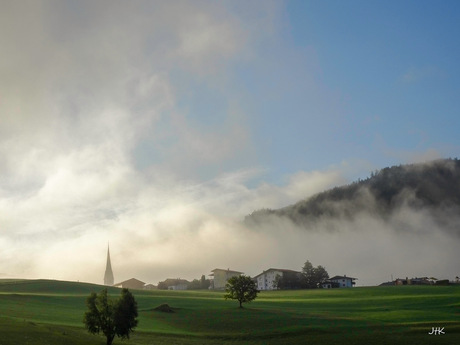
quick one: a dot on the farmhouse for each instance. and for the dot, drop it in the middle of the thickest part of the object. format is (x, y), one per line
(221, 277)
(176, 284)
(267, 279)
(339, 282)
(132, 283)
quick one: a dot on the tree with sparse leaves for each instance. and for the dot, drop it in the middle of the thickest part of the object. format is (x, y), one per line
(241, 288)
(111, 317)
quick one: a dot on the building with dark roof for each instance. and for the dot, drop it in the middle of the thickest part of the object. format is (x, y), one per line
(267, 279)
(339, 282)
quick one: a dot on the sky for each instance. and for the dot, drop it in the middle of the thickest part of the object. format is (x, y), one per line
(158, 125)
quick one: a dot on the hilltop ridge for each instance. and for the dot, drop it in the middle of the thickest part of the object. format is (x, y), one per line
(433, 187)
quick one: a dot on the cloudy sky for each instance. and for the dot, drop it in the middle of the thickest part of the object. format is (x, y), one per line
(158, 125)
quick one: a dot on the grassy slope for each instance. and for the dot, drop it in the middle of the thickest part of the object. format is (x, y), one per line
(50, 312)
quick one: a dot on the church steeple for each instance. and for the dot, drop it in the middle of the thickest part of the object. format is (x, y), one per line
(108, 276)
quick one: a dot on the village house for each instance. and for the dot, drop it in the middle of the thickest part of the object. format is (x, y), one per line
(267, 279)
(416, 281)
(221, 276)
(330, 285)
(339, 282)
(176, 284)
(132, 283)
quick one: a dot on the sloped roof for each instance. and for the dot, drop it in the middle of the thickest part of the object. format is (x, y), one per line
(131, 281)
(227, 270)
(277, 269)
(175, 281)
(343, 277)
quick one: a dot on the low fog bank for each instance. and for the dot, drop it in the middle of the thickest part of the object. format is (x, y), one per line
(158, 226)
(408, 244)
(353, 230)
(181, 229)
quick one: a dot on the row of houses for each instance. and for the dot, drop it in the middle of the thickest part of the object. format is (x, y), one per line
(171, 284)
(420, 281)
(265, 280)
(218, 281)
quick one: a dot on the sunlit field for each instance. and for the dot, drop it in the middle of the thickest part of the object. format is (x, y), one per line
(51, 312)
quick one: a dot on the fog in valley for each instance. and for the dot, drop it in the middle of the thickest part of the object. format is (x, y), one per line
(186, 230)
(152, 128)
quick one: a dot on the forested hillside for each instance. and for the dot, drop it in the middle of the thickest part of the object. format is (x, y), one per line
(432, 187)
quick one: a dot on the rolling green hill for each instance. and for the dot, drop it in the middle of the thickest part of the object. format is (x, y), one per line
(433, 187)
(51, 312)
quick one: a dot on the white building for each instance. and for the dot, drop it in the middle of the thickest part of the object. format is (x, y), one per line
(339, 281)
(266, 280)
(220, 277)
(176, 284)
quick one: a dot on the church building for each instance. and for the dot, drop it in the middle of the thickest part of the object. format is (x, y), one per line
(108, 276)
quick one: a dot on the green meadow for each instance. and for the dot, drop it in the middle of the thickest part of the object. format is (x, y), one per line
(43, 312)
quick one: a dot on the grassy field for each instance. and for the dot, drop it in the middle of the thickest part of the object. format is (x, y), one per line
(43, 312)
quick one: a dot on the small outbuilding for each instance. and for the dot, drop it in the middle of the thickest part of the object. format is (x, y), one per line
(132, 283)
(176, 284)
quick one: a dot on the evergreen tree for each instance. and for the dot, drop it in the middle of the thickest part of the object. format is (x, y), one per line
(313, 277)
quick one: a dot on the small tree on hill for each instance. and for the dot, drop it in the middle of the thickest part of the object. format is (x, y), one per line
(112, 318)
(241, 288)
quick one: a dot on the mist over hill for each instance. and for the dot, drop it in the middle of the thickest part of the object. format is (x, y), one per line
(432, 189)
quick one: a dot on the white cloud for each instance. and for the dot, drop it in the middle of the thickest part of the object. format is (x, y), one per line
(83, 76)
(152, 228)
(83, 87)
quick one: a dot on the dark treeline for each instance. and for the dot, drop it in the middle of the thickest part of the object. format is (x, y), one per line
(433, 186)
(310, 278)
(182, 284)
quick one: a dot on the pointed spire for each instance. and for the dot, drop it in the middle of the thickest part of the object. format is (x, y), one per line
(108, 276)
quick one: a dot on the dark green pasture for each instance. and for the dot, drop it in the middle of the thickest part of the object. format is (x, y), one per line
(43, 312)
